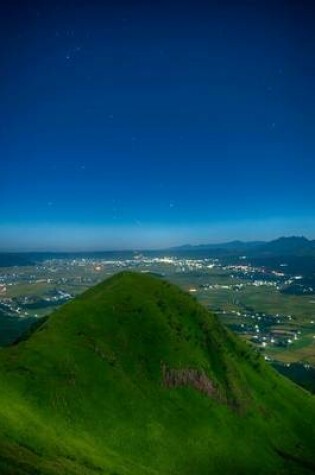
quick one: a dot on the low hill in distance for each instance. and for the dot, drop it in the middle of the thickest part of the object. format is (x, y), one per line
(8, 259)
(283, 246)
(135, 377)
(295, 245)
(228, 246)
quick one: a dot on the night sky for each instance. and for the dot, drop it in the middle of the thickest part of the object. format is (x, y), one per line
(147, 124)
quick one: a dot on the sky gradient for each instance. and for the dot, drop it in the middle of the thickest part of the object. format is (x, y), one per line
(132, 125)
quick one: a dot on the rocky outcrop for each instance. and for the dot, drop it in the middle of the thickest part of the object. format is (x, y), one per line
(194, 378)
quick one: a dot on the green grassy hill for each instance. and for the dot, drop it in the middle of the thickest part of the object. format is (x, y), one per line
(134, 377)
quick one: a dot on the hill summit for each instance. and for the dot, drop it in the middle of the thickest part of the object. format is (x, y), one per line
(135, 377)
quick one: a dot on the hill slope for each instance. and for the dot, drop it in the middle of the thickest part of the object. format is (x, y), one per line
(135, 377)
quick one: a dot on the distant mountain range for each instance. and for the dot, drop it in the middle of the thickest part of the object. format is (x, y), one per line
(225, 245)
(294, 245)
(297, 246)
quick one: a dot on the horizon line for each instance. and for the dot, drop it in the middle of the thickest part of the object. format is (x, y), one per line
(134, 250)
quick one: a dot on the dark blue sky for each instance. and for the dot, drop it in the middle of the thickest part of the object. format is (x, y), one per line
(139, 125)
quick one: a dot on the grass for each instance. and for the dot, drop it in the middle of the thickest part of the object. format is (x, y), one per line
(262, 299)
(84, 392)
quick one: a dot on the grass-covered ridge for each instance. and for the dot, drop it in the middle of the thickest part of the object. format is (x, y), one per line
(87, 392)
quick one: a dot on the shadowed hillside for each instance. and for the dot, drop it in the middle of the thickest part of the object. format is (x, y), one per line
(134, 377)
